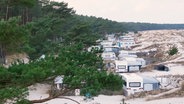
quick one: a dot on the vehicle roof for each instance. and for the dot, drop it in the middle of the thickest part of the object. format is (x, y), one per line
(120, 62)
(148, 79)
(131, 77)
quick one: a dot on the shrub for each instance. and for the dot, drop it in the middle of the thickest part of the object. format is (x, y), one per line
(24, 101)
(173, 51)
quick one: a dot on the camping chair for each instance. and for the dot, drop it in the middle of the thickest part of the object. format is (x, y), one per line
(88, 97)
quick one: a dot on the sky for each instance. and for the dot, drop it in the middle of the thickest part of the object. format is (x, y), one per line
(150, 11)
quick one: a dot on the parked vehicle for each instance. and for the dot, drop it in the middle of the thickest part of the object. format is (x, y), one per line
(114, 49)
(108, 56)
(124, 53)
(132, 83)
(127, 65)
(106, 43)
(161, 67)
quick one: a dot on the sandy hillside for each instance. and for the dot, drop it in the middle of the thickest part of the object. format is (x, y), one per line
(161, 40)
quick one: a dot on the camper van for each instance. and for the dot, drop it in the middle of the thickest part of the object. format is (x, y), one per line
(128, 64)
(124, 53)
(106, 43)
(132, 83)
(108, 56)
(135, 61)
(121, 66)
(114, 49)
(126, 42)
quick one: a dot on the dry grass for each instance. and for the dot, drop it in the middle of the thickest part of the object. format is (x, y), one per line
(135, 46)
(182, 86)
(108, 92)
(148, 68)
(178, 93)
(146, 93)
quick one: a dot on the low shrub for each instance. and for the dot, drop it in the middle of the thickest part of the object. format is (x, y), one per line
(173, 51)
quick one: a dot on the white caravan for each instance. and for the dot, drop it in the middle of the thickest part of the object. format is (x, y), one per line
(126, 42)
(108, 56)
(106, 43)
(132, 83)
(127, 65)
(124, 53)
(135, 61)
(121, 66)
(111, 37)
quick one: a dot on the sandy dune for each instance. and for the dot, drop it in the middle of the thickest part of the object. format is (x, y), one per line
(164, 39)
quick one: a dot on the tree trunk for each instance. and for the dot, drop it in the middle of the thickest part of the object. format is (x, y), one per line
(2, 55)
(27, 15)
(7, 11)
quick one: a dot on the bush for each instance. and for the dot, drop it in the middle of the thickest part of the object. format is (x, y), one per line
(113, 82)
(24, 101)
(173, 51)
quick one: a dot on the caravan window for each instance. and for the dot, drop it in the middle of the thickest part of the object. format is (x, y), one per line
(134, 84)
(121, 67)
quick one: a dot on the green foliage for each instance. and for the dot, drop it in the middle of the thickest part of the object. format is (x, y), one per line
(23, 101)
(62, 37)
(173, 51)
(57, 9)
(12, 35)
(12, 93)
(102, 26)
(78, 66)
(80, 70)
(113, 82)
(26, 3)
(5, 75)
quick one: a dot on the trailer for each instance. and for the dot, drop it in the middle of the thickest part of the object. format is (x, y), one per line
(114, 49)
(109, 56)
(127, 66)
(106, 43)
(126, 42)
(132, 83)
(124, 53)
(121, 66)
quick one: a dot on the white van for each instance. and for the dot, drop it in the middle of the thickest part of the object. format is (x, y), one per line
(132, 83)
